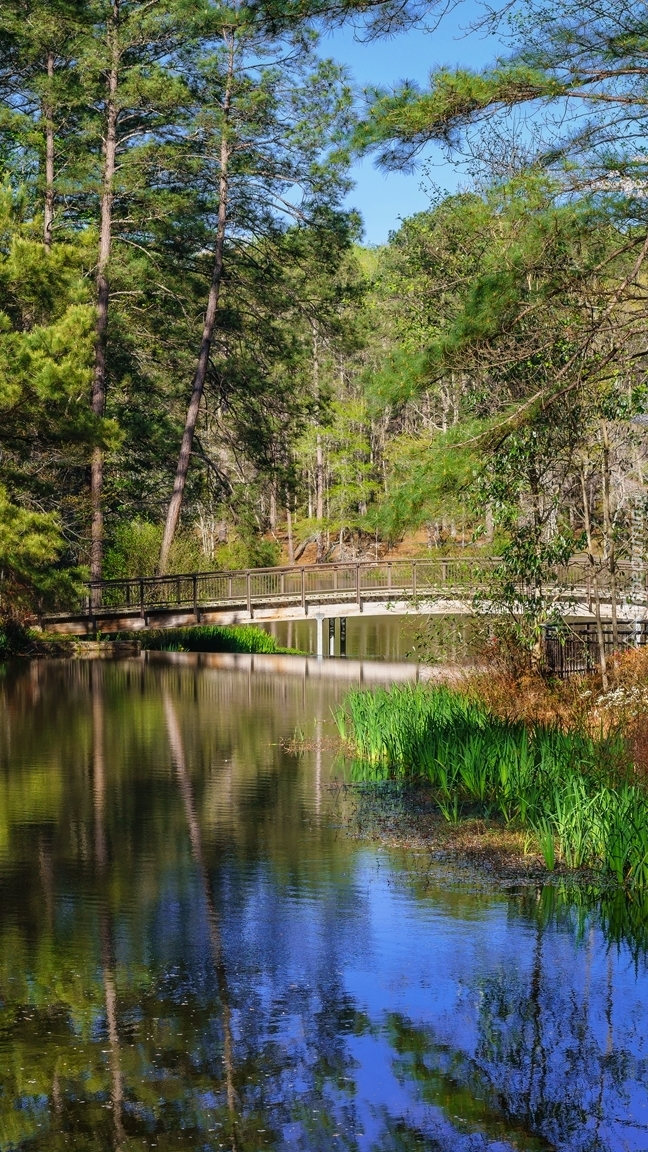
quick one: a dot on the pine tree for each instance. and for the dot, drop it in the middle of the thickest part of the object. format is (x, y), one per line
(46, 425)
(269, 140)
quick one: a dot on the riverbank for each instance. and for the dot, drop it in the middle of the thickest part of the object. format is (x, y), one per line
(406, 818)
(19, 641)
(523, 780)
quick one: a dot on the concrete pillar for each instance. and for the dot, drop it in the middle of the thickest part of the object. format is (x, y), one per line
(342, 635)
(331, 650)
(320, 636)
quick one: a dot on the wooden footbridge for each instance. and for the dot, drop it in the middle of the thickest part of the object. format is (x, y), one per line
(440, 586)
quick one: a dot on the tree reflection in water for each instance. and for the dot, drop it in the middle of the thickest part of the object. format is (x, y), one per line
(105, 934)
(193, 955)
(186, 791)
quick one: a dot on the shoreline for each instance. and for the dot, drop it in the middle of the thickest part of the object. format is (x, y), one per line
(404, 817)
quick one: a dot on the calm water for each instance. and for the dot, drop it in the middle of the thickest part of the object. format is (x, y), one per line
(388, 637)
(194, 954)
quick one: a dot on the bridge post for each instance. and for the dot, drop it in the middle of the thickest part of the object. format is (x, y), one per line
(343, 624)
(303, 590)
(359, 601)
(195, 597)
(249, 595)
(331, 651)
(141, 591)
(320, 635)
(414, 579)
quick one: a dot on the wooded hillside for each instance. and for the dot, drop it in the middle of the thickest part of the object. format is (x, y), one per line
(201, 365)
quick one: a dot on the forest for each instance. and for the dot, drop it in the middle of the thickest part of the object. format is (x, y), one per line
(201, 364)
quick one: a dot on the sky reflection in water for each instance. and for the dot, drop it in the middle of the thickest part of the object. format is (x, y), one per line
(194, 954)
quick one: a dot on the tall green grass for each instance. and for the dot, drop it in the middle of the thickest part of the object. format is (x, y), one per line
(210, 638)
(571, 792)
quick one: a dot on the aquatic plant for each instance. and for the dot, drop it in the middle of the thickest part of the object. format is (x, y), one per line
(571, 791)
(211, 638)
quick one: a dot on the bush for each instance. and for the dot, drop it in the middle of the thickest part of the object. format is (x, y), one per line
(15, 639)
(248, 552)
(135, 551)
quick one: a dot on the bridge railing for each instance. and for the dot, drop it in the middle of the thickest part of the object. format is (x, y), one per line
(294, 583)
(443, 577)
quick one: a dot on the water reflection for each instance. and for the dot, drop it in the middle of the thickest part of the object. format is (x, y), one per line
(186, 791)
(105, 926)
(193, 954)
(446, 639)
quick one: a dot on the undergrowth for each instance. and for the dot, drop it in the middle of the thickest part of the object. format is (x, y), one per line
(572, 791)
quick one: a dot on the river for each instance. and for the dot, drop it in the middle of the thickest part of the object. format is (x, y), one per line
(195, 952)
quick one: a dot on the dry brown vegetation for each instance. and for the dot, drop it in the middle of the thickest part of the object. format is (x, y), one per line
(577, 702)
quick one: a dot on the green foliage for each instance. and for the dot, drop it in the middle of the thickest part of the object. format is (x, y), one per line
(135, 551)
(46, 423)
(247, 550)
(288, 111)
(576, 71)
(430, 475)
(522, 589)
(460, 372)
(570, 790)
(15, 639)
(409, 118)
(136, 548)
(210, 638)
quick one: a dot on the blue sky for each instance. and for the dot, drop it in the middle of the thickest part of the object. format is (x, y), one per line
(384, 199)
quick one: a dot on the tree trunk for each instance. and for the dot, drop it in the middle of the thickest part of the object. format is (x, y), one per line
(291, 547)
(609, 546)
(319, 497)
(319, 451)
(198, 386)
(48, 111)
(103, 292)
(597, 598)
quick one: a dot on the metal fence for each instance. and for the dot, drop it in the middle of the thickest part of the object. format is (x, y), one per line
(577, 650)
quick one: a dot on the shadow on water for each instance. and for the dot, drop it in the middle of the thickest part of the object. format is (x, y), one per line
(194, 954)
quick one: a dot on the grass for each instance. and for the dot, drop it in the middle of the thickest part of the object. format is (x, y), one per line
(573, 793)
(211, 638)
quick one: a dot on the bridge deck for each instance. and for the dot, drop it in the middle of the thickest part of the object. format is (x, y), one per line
(439, 585)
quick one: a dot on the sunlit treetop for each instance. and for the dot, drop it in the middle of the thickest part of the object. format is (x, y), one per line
(578, 72)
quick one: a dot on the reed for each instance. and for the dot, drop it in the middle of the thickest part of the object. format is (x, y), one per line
(210, 638)
(570, 791)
